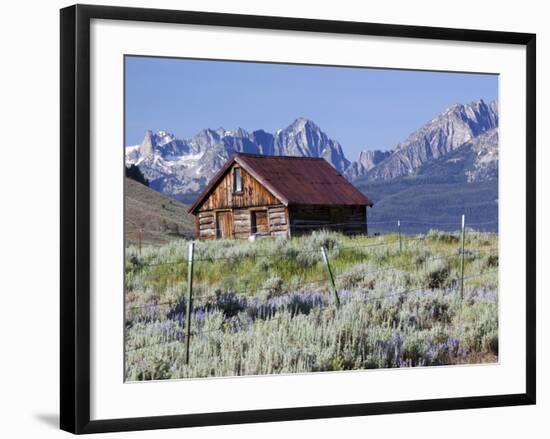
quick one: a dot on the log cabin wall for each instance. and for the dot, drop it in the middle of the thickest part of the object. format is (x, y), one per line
(206, 225)
(347, 219)
(241, 223)
(278, 221)
(254, 209)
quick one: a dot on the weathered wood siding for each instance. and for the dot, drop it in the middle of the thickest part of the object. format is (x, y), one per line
(224, 224)
(278, 221)
(241, 222)
(259, 222)
(254, 197)
(206, 225)
(347, 219)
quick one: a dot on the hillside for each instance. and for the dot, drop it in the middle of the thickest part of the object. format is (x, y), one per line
(422, 204)
(160, 218)
(440, 190)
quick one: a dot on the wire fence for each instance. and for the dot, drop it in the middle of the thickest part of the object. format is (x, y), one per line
(330, 281)
(363, 295)
(258, 255)
(248, 292)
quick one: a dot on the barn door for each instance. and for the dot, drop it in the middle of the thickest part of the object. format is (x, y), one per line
(224, 225)
(259, 222)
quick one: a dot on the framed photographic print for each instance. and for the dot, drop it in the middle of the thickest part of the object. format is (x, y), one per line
(272, 218)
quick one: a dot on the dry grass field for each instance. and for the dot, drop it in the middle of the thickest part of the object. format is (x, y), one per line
(161, 219)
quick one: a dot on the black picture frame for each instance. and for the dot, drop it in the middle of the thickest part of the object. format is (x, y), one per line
(75, 217)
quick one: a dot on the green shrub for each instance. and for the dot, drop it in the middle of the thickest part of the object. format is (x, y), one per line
(437, 275)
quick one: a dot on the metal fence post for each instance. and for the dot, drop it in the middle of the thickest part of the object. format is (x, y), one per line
(399, 234)
(140, 233)
(331, 277)
(462, 258)
(189, 300)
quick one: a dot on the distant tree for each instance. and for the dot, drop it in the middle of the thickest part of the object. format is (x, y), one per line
(135, 173)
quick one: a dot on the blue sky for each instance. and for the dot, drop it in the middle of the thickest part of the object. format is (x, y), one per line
(360, 108)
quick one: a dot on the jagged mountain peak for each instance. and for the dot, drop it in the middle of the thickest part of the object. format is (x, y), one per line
(165, 134)
(479, 115)
(304, 138)
(237, 132)
(148, 143)
(372, 155)
(474, 161)
(301, 123)
(457, 125)
(306, 128)
(210, 132)
(368, 159)
(457, 106)
(477, 103)
(303, 126)
(178, 166)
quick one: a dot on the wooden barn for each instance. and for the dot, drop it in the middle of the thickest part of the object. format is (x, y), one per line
(255, 195)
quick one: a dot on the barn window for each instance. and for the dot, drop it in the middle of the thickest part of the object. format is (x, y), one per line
(237, 180)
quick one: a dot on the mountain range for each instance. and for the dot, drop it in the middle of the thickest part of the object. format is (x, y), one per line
(181, 167)
(459, 145)
(457, 126)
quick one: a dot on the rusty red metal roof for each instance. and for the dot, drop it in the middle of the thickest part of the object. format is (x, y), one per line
(293, 180)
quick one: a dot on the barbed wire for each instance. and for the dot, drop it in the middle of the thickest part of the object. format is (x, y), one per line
(379, 244)
(449, 224)
(294, 252)
(404, 265)
(321, 225)
(415, 264)
(392, 222)
(231, 292)
(158, 264)
(245, 293)
(424, 288)
(368, 299)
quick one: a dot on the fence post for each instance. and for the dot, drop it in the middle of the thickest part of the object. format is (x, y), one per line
(462, 259)
(331, 277)
(399, 234)
(139, 240)
(189, 300)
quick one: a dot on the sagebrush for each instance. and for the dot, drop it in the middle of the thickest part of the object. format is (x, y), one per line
(265, 307)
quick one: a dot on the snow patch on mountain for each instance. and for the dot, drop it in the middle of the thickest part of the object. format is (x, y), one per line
(454, 127)
(182, 167)
(177, 167)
